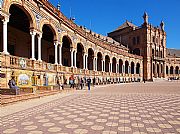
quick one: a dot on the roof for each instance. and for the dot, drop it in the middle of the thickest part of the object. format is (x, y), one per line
(173, 52)
(125, 25)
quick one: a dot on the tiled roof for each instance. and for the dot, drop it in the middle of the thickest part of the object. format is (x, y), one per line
(172, 52)
(125, 25)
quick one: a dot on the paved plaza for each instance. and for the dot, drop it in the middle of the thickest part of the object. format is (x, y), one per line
(133, 108)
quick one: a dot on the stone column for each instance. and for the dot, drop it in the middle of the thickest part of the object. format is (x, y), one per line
(56, 55)
(117, 68)
(102, 65)
(84, 61)
(75, 53)
(33, 33)
(5, 34)
(39, 47)
(72, 59)
(60, 54)
(94, 63)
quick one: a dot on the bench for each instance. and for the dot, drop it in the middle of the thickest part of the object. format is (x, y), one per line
(7, 91)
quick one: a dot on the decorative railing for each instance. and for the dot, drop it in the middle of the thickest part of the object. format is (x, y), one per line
(13, 62)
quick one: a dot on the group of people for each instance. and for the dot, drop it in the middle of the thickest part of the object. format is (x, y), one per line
(80, 82)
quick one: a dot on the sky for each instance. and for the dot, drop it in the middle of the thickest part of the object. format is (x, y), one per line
(104, 16)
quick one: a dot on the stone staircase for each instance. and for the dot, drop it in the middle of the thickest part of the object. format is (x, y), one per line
(8, 99)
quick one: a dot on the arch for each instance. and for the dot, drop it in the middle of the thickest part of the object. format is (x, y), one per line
(167, 70)
(99, 61)
(107, 61)
(137, 68)
(176, 70)
(120, 66)
(90, 59)
(66, 51)
(132, 67)
(158, 70)
(79, 55)
(154, 69)
(114, 65)
(171, 70)
(51, 25)
(7, 4)
(126, 67)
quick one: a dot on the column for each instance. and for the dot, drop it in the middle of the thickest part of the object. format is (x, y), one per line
(72, 59)
(109, 67)
(5, 34)
(75, 53)
(84, 61)
(56, 56)
(117, 68)
(102, 65)
(60, 54)
(94, 64)
(33, 33)
(39, 47)
(135, 69)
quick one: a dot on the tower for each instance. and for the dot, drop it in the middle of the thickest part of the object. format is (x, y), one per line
(145, 16)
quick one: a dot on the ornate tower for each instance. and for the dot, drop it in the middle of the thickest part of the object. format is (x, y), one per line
(145, 16)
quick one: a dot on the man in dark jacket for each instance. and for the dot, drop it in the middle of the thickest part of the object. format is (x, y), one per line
(12, 85)
(89, 83)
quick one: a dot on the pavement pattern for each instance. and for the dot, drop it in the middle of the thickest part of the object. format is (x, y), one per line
(133, 108)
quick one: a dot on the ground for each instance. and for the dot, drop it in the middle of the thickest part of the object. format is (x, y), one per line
(133, 108)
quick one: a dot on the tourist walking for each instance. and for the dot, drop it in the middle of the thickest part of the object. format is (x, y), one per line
(71, 81)
(81, 83)
(89, 83)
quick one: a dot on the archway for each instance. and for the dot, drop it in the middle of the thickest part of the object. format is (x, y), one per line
(167, 70)
(99, 61)
(79, 56)
(158, 70)
(48, 49)
(66, 51)
(171, 70)
(107, 61)
(114, 65)
(177, 70)
(126, 67)
(90, 59)
(132, 67)
(137, 68)
(19, 39)
(153, 69)
(120, 66)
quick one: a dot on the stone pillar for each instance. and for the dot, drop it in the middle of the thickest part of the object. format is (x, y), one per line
(39, 47)
(95, 64)
(33, 33)
(60, 54)
(134, 69)
(84, 61)
(75, 53)
(72, 58)
(117, 68)
(56, 55)
(102, 65)
(5, 34)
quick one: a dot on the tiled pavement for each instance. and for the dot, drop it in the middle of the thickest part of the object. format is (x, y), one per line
(135, 108)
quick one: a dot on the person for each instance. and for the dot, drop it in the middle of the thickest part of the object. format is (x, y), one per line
(12, 85)
(144, 80)
(71, 82)
(89, 83)
(94, 81)
(81, 83)
(60, 85)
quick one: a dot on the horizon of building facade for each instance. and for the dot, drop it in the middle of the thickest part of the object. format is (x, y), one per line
(39, 45)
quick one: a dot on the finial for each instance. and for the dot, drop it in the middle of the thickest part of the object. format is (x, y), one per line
(162, 25)
(145, 16)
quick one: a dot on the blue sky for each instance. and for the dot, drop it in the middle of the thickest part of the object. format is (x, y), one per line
(103, 16)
